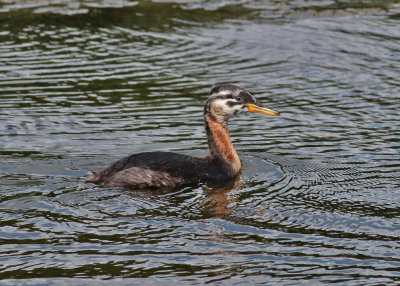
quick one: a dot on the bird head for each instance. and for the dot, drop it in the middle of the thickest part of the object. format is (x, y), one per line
(228, 100)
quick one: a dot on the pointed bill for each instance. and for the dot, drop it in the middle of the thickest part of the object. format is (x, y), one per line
(262, 110)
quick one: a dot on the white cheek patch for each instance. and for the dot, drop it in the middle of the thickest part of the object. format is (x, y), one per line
(224, 109)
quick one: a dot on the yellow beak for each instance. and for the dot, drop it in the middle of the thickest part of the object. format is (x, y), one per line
(262, 110)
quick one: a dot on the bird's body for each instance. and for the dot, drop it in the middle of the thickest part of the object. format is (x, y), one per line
(162, 170)
(159, 170)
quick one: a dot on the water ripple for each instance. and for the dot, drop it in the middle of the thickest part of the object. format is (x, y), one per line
(82, 84)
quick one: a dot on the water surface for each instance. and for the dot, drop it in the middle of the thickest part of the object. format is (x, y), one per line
(83, 83)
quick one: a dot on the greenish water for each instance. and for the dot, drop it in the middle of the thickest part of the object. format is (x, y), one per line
(83, 83)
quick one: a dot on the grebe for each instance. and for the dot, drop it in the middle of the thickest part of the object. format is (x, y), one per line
(167, 170)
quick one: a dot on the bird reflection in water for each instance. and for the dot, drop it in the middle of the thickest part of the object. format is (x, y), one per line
(221, 200)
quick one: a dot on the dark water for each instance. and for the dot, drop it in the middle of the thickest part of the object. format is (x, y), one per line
(84, 83)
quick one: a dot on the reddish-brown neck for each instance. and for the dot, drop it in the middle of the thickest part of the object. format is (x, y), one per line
(220, 145)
